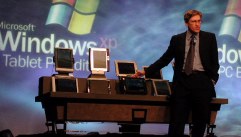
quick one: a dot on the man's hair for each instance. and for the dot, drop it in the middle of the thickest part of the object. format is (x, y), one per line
(190, 13)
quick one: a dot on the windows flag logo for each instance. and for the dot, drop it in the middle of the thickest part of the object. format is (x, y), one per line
(76, 15)
(232, 21)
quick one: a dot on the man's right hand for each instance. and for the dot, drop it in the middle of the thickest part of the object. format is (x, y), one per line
(138, 74)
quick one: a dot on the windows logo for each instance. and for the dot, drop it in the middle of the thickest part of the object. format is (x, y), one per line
(232, 21)
(75, 15)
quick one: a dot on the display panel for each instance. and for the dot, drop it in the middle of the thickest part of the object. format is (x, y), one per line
(64, 61)
(125, 68)
(136, 86)
(161, 87)
(64, 84)
(99, 60)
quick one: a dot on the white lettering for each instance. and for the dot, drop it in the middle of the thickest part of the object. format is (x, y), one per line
(227, 71)
(9, 38)
(23, 62)
(20, 27)
(238, 72)
(81, 65)
(43, 46)
(229, 56)
(49, 62)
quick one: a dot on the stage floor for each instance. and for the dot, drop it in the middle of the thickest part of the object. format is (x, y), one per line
(93, 134)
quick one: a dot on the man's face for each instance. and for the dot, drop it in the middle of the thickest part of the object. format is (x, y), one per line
(194, 24)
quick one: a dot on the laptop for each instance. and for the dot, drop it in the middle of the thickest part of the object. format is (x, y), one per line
(161, 87)
(125, 68)
(135, 86)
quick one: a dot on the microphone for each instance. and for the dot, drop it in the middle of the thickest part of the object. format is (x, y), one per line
(194, 41)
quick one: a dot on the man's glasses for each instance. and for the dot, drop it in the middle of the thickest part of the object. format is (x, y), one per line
(195, 21)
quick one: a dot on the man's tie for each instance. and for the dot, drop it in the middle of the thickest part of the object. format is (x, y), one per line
(190, 57)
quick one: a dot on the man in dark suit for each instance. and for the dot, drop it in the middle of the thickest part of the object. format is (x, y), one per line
(191, 91)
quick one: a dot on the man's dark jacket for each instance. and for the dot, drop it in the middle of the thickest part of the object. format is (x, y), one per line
(176, 50)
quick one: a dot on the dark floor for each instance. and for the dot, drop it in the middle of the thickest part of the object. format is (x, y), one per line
(8, 133)
(93, 135)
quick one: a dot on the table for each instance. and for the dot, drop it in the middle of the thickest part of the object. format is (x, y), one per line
(127, 110)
